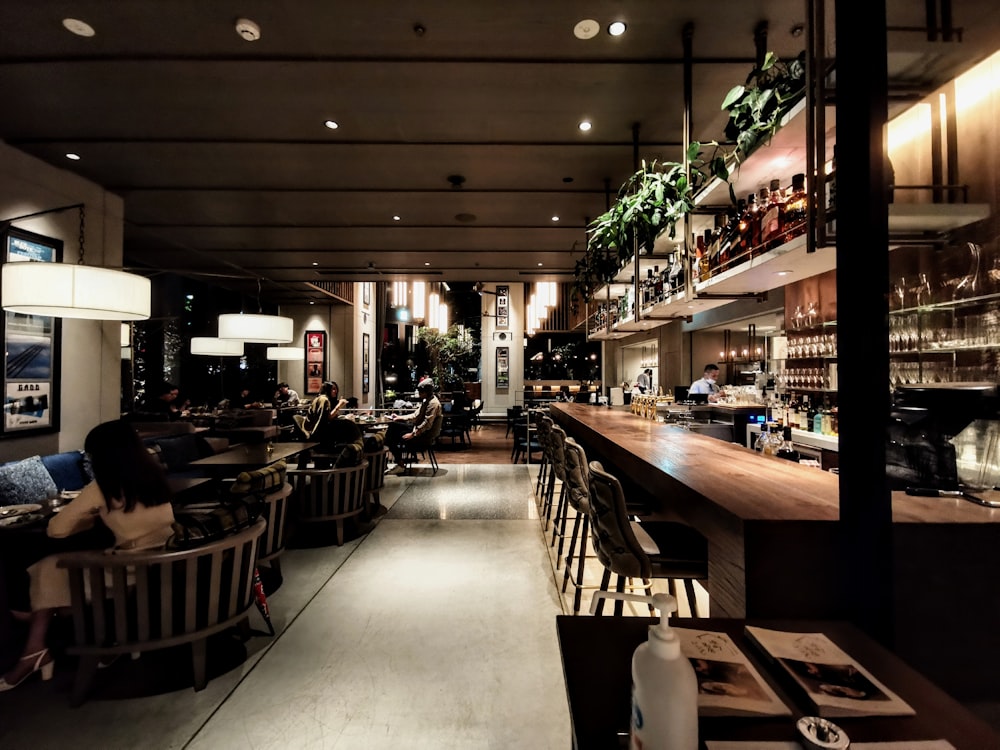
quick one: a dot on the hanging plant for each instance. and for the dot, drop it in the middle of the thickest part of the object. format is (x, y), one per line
(756, 107)
(649, 203)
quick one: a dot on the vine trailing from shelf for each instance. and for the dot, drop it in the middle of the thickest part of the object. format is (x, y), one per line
(649, 203)
(757, 106)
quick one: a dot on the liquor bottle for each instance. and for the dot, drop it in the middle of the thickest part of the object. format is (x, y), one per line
(675, 278)
(761, 206)
(715, 246)
(751, 219)
(763, 443)
(657, 285)
(702, 245)
(793, 220)
(787, 450)
(729, 232)
(739, 250)
(647, 288)
(770, 223)
(831, 192)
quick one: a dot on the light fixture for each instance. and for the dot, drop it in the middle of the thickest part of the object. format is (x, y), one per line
(427, 262)
(315, 262)
(539, 264)
(286, 353)
(256, 328)
(126, 335)
(331, 124)
(419, 292)
(616, 28)
(395, 217)
(73, 157)
(65, 290)
(78, 27)
(433, 309)
(215, 347)
(555, 218)
(585, 125)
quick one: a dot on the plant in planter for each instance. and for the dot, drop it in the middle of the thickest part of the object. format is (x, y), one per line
(650, 203)
(757, 106)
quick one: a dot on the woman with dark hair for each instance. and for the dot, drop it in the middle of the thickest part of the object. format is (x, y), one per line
(130, 496)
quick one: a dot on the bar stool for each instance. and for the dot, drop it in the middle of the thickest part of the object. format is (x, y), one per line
(578, 496)
(655, 549)
(545, 466)
(557, 442)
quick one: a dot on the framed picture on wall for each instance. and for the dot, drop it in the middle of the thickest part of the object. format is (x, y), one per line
(365, 346)
(315, 361)
(32, 346)
(366, 294)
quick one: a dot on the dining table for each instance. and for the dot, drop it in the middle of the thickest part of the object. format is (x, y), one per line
(597, 653)
(249, 456)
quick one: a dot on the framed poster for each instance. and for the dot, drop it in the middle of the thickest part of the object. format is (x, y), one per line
(503, 306)
(366, 295)
(315, 361)
(31, 343)
(503, 367)
(365, 372)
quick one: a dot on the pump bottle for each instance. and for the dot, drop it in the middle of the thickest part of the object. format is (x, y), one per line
(664, 686)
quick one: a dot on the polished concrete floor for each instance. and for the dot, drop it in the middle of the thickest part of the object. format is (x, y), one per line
(436, 629)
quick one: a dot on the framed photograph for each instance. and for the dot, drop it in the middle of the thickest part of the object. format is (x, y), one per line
(366, 295)
(503, 367)
(503, 306)
(315, 361)
(32, 346)
(365, 347)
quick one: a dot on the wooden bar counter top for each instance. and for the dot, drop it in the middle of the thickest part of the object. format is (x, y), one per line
(773, 540)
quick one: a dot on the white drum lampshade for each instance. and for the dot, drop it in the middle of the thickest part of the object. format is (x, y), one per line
(65, 290)
(253, 328)
(214, 347)
(286, 353)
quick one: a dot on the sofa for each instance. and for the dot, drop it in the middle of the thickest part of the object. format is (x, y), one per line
(175, 452)
(37, 478)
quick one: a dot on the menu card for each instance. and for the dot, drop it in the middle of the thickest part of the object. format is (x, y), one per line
(835, 683)
(728, 684)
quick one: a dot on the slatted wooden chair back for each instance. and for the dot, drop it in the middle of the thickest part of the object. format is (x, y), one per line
(330, 494)
(276, 513)
(375, 478)
(144, 601)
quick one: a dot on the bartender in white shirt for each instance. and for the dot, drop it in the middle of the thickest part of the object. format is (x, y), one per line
(706, 384)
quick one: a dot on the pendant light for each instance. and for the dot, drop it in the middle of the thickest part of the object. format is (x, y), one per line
(216, 347)
(286, 353)
(256, 328)
(64, 290)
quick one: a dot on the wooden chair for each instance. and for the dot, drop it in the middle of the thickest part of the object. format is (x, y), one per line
(425, 443)
(329, 494)
(144, 601)
(375, 479)
(657, 549)
(269, 485)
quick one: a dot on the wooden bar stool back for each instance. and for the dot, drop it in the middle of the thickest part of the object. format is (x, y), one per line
(577, 496)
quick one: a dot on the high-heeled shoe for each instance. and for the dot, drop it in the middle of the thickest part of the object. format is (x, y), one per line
(46, 669)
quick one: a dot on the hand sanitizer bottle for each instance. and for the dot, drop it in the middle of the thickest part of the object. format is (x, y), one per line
(664, 686)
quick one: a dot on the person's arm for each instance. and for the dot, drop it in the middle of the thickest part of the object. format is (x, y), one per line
(433, 410)
(78, 515)
(336, 410)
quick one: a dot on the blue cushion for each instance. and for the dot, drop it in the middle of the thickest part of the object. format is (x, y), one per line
(25, 481)
(177, 452)
(69, 470)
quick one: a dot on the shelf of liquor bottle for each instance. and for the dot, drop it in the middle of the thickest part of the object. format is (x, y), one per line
(801, 437)
(663, 247)
(788, 146)
(612, 291)
(801, 389)
(603, 334)
(772, 269)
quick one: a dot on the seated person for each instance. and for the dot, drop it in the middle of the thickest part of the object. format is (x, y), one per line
(161, 402)
(707, 385)
(400, 432)
(130, 496)
(244, 399)
(285, 396)
(322, 422)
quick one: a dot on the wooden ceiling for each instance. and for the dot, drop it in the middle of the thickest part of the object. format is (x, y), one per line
(219, 149)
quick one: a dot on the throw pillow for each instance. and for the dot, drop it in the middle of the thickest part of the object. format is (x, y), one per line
(352, 455)
(195, 525)
(374, 442)
(177, 452)
(69, 470)
(260, 480)
(26, 481)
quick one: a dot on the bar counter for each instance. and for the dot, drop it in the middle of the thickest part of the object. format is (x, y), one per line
(773, 541)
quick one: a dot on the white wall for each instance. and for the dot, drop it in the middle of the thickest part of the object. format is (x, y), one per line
(498, 401)
(364, 322)
(90, 381)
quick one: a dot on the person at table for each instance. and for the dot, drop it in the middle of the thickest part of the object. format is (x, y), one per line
(643, 381)
(400, 432)
(244, 399)
(285, 396)
(323, 410)
(130, 495)
(162, 401)
(706, 384)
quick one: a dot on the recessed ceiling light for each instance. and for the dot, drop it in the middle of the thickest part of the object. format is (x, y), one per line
(555, 218)
(315, 263)
(74, 157)
(585, 125)
(586, 29)
(248, 31)
(331, 124)
(616, 28)
(78, 27)
(782, 273)
(312, 302)
(427, 262)
(539, 264)
(395, 217)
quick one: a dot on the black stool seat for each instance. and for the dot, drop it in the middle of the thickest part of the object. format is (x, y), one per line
(685, 550)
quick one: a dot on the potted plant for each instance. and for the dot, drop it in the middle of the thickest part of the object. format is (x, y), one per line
(757, 106)
(649, 203)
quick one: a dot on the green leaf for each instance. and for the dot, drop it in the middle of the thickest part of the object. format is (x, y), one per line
(694, 148)
(769, 60)
(734, 93)
(719, 168)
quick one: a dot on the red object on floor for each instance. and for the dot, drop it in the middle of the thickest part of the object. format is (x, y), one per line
(260, 599)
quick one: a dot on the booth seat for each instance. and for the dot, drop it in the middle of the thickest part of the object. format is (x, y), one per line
(38, 478)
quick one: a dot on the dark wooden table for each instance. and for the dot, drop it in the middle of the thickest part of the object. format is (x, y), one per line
(597, 654)
(249, 457)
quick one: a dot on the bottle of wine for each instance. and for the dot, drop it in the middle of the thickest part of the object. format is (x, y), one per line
(787, 450)
(770, 223)
(793, 220)
(676, 275)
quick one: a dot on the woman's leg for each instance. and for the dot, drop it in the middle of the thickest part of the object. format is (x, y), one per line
(38, 628)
